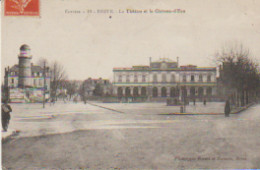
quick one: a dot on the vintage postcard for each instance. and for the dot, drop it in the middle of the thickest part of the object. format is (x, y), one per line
(112, 84)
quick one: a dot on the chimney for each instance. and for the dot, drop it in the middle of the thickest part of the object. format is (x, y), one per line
(150, 59)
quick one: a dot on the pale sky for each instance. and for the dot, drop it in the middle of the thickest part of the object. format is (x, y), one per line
(90, 45)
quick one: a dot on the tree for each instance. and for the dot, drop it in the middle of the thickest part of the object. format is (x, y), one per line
(71, 87)
(58, 75)
(98, 91)
(238, 72)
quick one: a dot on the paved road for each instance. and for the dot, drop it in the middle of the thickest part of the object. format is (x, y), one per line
(87, 136)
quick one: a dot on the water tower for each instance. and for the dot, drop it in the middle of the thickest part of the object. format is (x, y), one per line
(25, 70)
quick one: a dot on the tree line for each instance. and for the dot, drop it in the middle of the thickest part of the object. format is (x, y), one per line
(239, 74)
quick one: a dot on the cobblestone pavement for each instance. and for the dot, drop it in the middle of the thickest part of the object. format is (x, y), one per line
(90, 136)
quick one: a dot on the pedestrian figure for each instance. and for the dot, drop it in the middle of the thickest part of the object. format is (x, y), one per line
(52, 101)
(6, 109)
(194, 102)
(204, 102)
(227, 108)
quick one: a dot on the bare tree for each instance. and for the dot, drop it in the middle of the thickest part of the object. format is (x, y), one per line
(41, 62)
(58, 74)
(238, 73)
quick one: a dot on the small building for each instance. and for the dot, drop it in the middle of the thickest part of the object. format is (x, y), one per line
(96, 87)
(164, 79)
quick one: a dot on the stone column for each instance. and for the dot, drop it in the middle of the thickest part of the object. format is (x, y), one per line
(168, 91)
(123, 90)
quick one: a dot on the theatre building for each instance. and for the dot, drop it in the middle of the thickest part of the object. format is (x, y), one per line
(164, 79)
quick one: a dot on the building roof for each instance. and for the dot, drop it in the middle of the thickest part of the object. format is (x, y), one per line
(15, 68)
(167, 60)
(35, 68)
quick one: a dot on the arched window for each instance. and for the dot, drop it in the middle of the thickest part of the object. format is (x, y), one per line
(184, 91)
(164, 92)
(172, 92)
(155, 92)
(200, 90)
(143, 91)
(192, 91)
(209, 91)
(119, 92)
(128, 92)
(135, 92)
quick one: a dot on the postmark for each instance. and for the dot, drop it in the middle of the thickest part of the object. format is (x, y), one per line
(22, 8)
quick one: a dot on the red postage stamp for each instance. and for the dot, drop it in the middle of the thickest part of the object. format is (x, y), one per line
(22, 8)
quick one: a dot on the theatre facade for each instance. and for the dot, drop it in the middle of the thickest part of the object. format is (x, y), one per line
(164, 79)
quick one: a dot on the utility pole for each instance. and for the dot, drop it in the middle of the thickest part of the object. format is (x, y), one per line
(44, 84)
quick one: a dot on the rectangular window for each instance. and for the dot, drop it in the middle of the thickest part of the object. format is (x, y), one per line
(143, 78)
(184, 78)
(135, 78)
(209, 78)
(127, 78)
(120, 78)
(41, 82)
(192, 78)
(164, 78)
(200, 78)
(173, 78)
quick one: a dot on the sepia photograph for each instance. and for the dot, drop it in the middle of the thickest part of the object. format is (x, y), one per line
(116, 84)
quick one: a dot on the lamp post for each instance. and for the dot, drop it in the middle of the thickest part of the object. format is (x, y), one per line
(44, 84)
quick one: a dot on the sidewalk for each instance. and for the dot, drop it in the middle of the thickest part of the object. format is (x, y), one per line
(9, 133)
(206, 111)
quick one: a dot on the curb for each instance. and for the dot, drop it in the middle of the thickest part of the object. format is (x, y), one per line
(242, 108)
(191, 114)
(105, 108)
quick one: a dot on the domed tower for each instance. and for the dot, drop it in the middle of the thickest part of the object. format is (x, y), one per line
(25, 71)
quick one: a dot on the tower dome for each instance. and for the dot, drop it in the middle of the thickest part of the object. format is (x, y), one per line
(25, 51)
(25, 47)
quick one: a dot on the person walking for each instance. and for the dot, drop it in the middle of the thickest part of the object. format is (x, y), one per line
(227, 108)
(194, 102)
(6, 109)
(205, 102)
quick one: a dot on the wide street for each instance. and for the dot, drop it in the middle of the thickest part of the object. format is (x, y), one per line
(131, 136)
